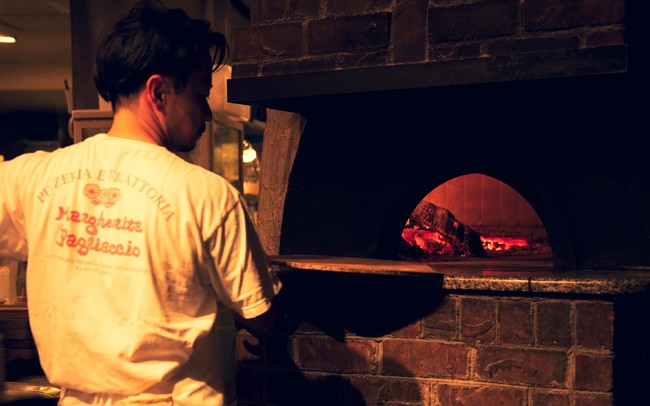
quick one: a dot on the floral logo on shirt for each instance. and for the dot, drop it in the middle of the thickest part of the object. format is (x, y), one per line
(98, 196)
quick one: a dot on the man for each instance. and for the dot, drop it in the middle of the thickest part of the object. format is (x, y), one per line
(132, 252)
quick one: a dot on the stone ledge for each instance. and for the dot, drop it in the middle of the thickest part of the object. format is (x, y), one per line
(535, 275)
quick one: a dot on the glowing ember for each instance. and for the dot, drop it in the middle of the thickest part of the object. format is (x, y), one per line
(428, 241)
(435, 243)
(503, 243)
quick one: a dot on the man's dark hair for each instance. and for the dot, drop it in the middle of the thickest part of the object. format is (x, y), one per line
(153, 39)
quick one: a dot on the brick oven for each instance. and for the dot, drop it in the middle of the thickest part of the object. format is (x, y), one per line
(374, 104)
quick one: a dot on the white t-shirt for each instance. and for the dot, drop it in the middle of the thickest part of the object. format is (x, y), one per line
(132, 252)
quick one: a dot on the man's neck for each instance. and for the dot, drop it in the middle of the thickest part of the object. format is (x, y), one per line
(136, 123)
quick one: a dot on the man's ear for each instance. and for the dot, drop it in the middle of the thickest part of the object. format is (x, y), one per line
(157, 88)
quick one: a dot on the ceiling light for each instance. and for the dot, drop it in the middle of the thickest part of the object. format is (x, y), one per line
(7, 39)
(5, 30)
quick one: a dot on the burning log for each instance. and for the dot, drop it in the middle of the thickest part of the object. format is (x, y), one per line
(436, 231)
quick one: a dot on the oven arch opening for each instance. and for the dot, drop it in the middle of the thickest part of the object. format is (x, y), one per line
(473, 215)
(502, 211)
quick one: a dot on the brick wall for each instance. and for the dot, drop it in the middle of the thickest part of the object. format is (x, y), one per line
(288, 36)
(471, 350)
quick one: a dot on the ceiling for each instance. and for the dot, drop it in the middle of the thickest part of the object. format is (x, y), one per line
(36, 68)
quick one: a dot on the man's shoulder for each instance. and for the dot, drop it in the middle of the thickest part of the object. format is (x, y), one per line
(28, 159)
(198, 177)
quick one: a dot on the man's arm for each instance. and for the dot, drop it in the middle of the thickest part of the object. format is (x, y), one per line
(260, 324)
